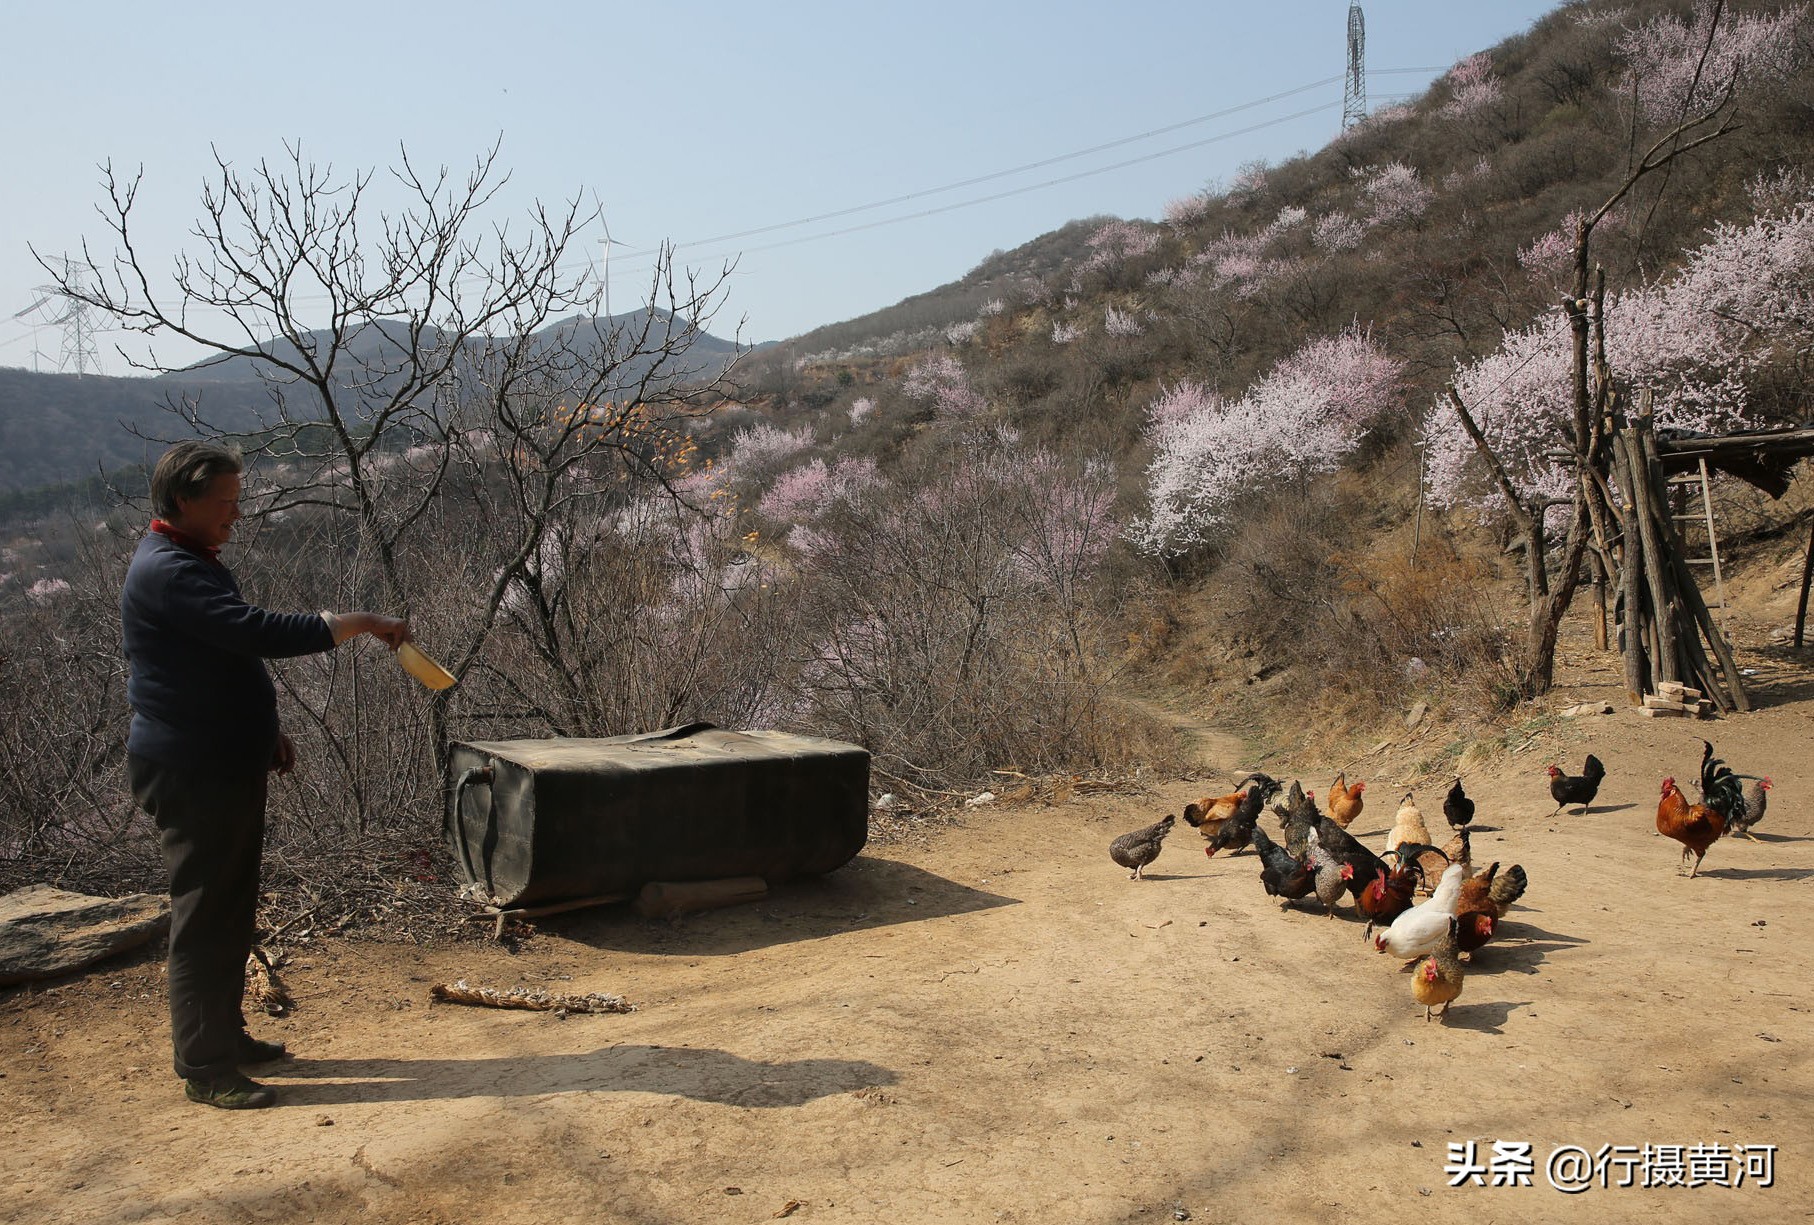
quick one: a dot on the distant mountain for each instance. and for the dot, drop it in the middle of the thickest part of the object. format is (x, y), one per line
(56, 428)
(59, 427)
(382, 344)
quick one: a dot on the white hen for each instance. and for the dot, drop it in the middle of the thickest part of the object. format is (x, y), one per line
(1418, 931)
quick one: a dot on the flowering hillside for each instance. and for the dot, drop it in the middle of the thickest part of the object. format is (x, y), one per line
(1305, 319)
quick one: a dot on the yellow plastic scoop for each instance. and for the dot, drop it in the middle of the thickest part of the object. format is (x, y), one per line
(424, 669)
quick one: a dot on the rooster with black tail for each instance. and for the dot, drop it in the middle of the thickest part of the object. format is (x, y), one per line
(1721, 789)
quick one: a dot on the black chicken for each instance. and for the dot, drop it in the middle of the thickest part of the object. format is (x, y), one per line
(1237, 832)
(1268, 785)
(1363, 865)
(1141, 847)
(1285, 878)
(1580, 788)
(1457, 807)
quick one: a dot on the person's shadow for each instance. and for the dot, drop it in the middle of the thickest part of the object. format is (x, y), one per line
(704, 1074)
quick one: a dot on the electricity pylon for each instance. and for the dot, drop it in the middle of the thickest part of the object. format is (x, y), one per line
(1354, 93)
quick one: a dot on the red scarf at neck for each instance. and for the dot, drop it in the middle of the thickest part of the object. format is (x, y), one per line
(177, 536)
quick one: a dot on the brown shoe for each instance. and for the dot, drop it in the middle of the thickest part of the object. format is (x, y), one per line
(234, 1092)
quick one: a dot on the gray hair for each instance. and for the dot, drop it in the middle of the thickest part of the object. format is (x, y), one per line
(186, 471)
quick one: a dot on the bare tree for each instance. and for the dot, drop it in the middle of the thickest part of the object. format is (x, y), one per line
(430, 374)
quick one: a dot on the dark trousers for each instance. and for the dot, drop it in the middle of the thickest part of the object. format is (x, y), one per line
(212, 831)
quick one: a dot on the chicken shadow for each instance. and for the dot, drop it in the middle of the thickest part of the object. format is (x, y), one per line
(1520, 948)
(866, 893)
(1597, 810)
(1208, 867)
(1486, 1018)
(702, 1074)
(1773, 838)
(1756, 873)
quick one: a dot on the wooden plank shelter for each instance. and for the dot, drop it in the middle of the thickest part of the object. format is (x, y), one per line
(1765, 459)
(1669, 638)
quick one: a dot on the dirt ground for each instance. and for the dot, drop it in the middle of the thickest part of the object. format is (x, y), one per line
(993, 1023)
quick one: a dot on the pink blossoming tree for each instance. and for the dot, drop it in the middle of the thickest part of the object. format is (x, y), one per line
(761, 448)
(1305, 416)
(1114, 245)
(1395, 194)
(1473, 86)
(1550, 258)
(1336, 232)
(940, 380)
(1683, 69)
(1188, 211)
(800, 493)
(1695, 341)
(1121, 323)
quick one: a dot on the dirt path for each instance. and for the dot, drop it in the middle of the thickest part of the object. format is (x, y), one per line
(997, 1025)
(1205, 746)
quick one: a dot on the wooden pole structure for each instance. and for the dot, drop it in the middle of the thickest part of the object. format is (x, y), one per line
(1807, 578)
(1669, 632)
(1417, 526)
(1644, 493)
(1732, 696)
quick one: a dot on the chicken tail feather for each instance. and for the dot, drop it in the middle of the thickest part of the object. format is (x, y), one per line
(1509, 886)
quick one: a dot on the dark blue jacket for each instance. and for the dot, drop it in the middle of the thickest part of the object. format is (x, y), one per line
(195, 652)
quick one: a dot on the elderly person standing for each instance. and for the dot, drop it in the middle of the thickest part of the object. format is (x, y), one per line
(204, 736)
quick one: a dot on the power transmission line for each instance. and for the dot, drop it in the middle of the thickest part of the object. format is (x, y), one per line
(845, 212)
(1002, 174)
(304, 300)
(1017, 191)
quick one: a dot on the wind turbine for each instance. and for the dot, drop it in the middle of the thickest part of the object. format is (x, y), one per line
(37, 354)
(607, 242)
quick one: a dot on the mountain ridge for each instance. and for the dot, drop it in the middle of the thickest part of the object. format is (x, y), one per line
(62, 428)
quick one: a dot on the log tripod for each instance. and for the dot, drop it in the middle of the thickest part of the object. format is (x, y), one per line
(1668, 635)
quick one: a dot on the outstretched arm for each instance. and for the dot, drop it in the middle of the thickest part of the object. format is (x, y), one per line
(393, 632)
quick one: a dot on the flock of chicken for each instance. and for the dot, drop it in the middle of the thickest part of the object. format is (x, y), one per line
(1463, 908)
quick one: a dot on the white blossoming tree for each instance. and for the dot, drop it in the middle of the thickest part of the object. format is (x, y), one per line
(1305, 416)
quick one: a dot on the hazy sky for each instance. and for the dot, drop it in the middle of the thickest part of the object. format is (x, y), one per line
(690, 122)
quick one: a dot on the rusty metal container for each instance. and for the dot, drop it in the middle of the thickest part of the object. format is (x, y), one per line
(538, 822)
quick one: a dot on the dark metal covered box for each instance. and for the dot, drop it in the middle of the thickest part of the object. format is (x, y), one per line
(534, 822)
